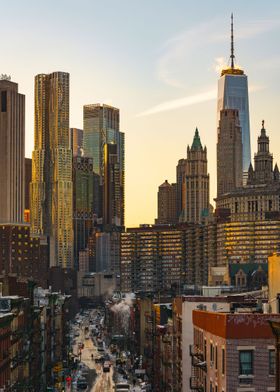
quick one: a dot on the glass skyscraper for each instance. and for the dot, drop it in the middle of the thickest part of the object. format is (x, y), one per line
(233, 94)
(101, 128)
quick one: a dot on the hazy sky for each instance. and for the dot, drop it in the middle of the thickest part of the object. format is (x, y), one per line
(156, 60)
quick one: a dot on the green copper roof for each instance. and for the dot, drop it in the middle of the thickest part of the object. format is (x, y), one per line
(196, 145)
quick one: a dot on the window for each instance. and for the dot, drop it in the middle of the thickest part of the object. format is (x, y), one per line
(216, 357)
(246, 362)
(211, 353)
(3, 101)
(223, 361)
(272, 362)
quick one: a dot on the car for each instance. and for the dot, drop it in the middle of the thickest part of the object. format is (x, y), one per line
(106, 367)
(122, 386)
(82, 384)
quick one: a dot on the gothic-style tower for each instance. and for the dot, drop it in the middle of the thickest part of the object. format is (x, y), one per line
(263, 172)
(197, 181)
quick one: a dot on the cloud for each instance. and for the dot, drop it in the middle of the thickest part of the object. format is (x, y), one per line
(178, 54)
(181, 102)
(190, 100)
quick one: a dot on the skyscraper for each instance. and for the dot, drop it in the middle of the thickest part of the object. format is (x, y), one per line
(76, 141)
(101, 127)
(197, 182)
(229, 152)
(113, 195)
(51, 186)
(12, 136)
(233, 94)
(167, 204)
(83, 203)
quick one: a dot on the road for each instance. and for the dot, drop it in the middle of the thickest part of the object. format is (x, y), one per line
(104, 381)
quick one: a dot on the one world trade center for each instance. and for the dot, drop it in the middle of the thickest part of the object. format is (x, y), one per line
(233, 94)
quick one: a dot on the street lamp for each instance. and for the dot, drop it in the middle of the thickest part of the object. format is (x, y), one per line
(275, 326)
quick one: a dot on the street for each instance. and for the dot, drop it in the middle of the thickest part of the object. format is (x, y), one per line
(89, 349)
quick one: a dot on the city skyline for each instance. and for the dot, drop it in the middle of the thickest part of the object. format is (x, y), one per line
(176, 73)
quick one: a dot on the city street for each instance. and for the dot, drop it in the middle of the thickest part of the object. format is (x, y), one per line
(103, 381)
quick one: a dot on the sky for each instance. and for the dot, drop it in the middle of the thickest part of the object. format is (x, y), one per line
(156, 60)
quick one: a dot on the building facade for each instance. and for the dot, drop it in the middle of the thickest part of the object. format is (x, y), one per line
(27, 179)
(23, 255)
(163, 258)
(232, 352)
(167, 204)
(51, 186)
(229, 152)
(12, 146)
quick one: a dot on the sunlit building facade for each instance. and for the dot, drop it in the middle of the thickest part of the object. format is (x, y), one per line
(163, 257)
(12, 142)
(51, 186)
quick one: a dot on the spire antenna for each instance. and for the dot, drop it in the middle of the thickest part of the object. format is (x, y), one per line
(232, 57)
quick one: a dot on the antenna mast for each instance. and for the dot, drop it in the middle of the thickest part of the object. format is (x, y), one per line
(232, 57)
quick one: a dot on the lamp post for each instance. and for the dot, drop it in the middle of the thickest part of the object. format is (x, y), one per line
(275, 326)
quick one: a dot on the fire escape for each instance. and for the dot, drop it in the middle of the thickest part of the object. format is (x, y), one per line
(199, 368)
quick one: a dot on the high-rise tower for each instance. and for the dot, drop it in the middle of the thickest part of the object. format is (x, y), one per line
(167, 204)
(233, 94)
(229, 152)
(101, 128)
(197, 182)
(51, 186)
(12, 134)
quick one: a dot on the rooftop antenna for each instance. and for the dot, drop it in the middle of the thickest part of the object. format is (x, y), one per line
(232, 57)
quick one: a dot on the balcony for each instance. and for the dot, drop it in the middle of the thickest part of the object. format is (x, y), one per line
(198, 360)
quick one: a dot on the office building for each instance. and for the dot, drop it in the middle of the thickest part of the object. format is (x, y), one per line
(197, 182)
(233, 94)
(167, 204)
(229, 152)
(51, 187)
(76, 136)
(101, 128)
(12, 136)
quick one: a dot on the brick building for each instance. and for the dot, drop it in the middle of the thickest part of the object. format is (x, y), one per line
(232, 352)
